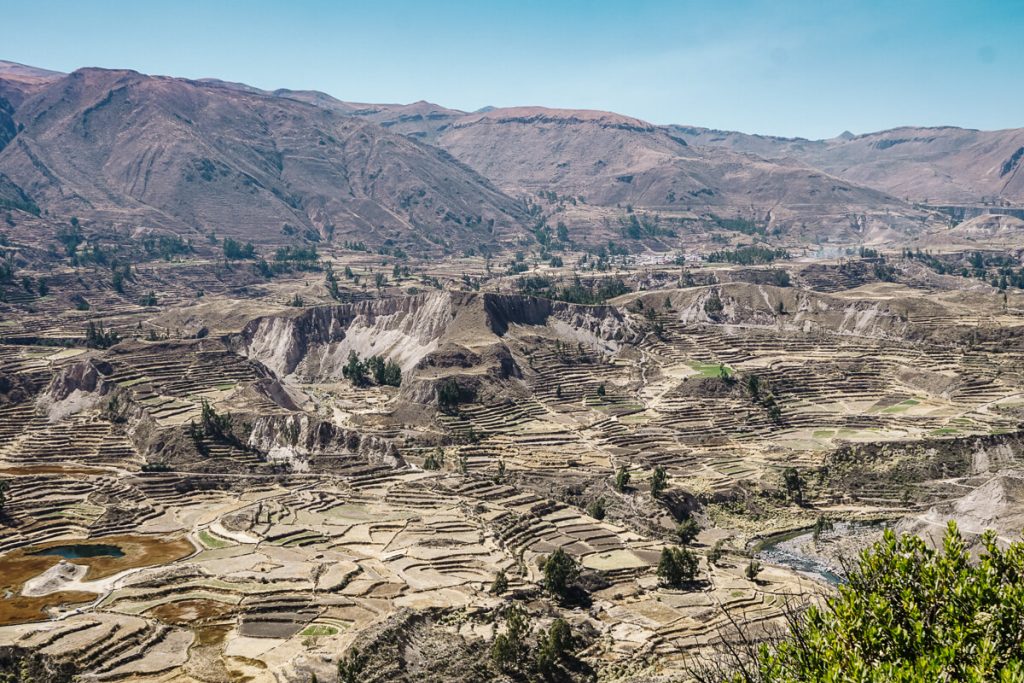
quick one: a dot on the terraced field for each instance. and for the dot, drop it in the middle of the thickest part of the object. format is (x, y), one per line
(271, 514)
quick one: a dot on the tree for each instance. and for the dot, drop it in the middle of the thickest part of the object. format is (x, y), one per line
(500, 584)
(434, 461)
(713, 304)
(910, 613)
(622, 479)
(687, 530)
(596, 508)
(677, 566)
(753, 569)
(331, 280)
(449, 395)
(560, 573)
(725, 374)
(510, 648)
(554, 647)
(601, 390)
(794, 484)
(754, 386)
(355, 370)
(659, 481)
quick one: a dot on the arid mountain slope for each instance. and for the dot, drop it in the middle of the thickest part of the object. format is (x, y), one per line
(199, 157)
(18, 81)
(937, 165)
(610, 159)
(420, 120)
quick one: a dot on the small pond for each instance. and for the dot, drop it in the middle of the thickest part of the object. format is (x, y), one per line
(82, 550)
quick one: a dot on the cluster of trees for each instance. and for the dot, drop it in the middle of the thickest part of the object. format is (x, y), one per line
(449, 396)
(96, 337)
(534, 656)
(761, 394)
(70, 236)
(166, 246)
(235, 250)
(637, 227)
(713, 304)
(677, 566)
(907, 612)
(744, 225)
(331, 282)
(748, 255)
(213, 426)
(590, 292)
(999, 270)
(383, 373)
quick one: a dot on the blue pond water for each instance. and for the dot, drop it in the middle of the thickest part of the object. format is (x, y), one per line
(82, 550)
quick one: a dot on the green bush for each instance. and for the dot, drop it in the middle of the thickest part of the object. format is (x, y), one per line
(911, 613)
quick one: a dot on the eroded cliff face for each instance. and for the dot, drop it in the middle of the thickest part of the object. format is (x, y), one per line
(791, 310)
(314, 344)
(296, 439)
(77, 387)
(432, 336)
(602, 328)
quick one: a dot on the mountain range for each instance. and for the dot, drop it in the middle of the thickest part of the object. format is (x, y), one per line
(128, 150)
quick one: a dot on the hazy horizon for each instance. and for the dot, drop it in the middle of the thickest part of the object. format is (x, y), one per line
(788, 69)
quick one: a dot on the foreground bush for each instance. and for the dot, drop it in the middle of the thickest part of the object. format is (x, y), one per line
(907, 613)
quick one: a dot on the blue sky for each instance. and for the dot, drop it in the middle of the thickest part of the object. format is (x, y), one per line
(810, 69)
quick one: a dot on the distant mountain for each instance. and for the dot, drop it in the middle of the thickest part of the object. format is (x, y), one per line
(18, 81)
(211, 155)
(194, 156)
(936, 165)
(420, 120)
(611, 159)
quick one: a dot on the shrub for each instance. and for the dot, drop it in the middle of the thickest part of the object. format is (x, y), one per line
(911, 613)
(716, 553)
(351, 667)
(687, 530)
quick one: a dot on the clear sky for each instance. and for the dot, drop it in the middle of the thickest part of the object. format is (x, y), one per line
(794, 68)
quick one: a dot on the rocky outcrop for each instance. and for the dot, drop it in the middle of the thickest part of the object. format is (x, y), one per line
(77, 387)
(315, 344)
(436, 330)
(791, 310)
(295, 439)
